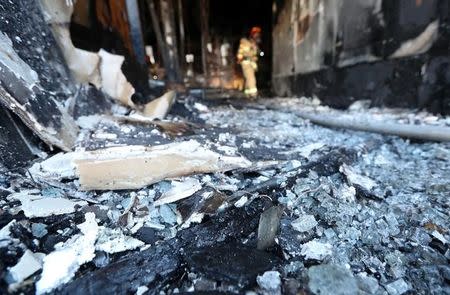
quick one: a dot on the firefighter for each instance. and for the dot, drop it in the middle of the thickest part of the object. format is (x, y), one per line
(247, 57)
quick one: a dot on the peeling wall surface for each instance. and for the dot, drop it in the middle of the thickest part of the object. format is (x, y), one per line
(34, 79)
(345, 50)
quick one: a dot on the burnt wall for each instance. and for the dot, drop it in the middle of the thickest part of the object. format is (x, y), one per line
(394, 52)
(34, 85)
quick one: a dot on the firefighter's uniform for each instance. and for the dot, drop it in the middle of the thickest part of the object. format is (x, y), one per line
(248, 57)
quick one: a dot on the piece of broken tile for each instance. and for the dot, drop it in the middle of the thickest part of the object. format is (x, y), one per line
(27, 266)
(397, 287)
(331, 279)
(304, 223)
(179, 190)
(316, 250)
(354, 178)
(38, 206)
(39, 230)
(167, 214)
(62, 264)
(114, 241)
(158, 108)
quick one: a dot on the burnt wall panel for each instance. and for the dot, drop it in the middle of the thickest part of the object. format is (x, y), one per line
(345, 52)
(283, 37)
(34, 80)
(409, 82)
(15, 141)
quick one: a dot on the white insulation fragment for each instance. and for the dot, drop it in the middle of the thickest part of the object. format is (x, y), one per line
(61, 265)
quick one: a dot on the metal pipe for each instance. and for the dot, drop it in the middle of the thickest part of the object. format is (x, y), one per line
(423, 132)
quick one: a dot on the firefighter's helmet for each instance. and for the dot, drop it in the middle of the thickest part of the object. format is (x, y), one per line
(255, 31)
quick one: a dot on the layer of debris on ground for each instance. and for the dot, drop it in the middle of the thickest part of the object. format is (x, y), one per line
(295, 207)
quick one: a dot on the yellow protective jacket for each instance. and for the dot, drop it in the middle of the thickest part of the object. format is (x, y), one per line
(248, 52)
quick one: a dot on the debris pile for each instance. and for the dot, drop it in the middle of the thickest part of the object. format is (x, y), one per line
(250, 199)
(114, 188)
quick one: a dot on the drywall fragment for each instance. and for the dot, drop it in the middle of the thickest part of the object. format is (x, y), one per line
(20, 92)
(113, 241)
(158, 108)
(133, 167)
(60, 166)
(11, 63)
(180, 190)
(420, 44)
(38, 206)
(62, 264)
(83, 65)
(114, 82)
(56, 12)
(27, 266)
(5, 231)
(50, 206)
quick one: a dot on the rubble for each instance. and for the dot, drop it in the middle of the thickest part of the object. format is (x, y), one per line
(304, 223)
(316, 250)
(179, 190)
(331, 279)
(270, 282)
(269, 223)
(60, 266)
(158, 108)
(397, 288)
(325, 207)
(27, 266)
(39, 206)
